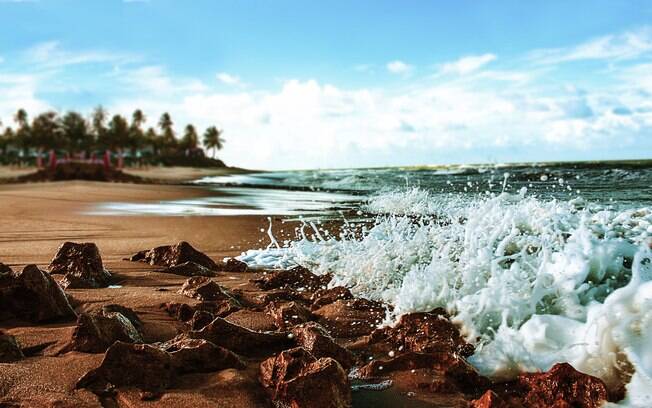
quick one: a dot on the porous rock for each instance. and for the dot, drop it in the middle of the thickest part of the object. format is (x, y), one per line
(315, 339)
(295, 278)
(33, 295)
(98, 331)
(171, 255)
(203, 288)
(288, 314)
(324, 297)
(296, 378)
(9, 349)
(240, 339)
(562, 384)
(350, 318)
(81, 265)
(199, 355)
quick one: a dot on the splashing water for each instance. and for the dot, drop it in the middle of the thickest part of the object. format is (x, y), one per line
(531, 282)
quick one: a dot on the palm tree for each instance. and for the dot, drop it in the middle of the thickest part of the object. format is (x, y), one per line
(77, 136)
(98, 126)
(136, 135)
(46, 133)
(23, 133)
(213, 139)
(166, 125)
(190, 139)
(118, 136)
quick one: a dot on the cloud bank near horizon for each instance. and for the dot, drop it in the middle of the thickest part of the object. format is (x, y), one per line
(590, 100)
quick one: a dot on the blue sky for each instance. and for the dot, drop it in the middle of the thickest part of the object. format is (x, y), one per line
(298, 84)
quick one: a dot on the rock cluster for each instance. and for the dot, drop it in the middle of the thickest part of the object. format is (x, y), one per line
(81, 266)
(9, 349)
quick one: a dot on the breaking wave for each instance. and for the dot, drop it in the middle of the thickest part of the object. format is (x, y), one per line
(530, 281)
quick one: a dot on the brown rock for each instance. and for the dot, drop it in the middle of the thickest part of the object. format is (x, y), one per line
(33, 295)
(489, 400)
(288, 314)
(252, 320)
(189, 269)
(350, 318)
(97, 332)
(315, 339)
(240, 339)
(562, 384)
(295, 378)
(81, 265)
(140, 365)
(125, 311)
(423, 333)
(441, 371)
(184, 312)
(295, 278)
(9, 349)
(171, 255)
(200, 319)
(199, 355)
(5, 269)
(233, 265)
(203, 288)
(324, 297)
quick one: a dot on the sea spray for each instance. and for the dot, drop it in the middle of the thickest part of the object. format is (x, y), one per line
(531, 282)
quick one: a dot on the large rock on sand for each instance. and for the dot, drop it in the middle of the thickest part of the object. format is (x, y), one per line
(98, 331)
(241, 339)
(33, 295)
(204, 289)
(81, 265)
(315, 339)
(9, 349)
(296, 378)
(173, 255)
(295, 278)
(189, 269)
(152, 368)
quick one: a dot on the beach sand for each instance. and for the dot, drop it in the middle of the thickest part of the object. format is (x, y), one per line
(37, 218)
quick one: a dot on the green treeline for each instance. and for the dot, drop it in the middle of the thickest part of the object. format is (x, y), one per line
(77, 136)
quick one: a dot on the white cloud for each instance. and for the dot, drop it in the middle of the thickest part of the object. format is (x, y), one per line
(50, 54)
(627, 45)
(467, 65)
(229, 79)
(399, 67)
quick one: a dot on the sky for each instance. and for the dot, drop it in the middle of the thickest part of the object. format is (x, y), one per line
(365, 83)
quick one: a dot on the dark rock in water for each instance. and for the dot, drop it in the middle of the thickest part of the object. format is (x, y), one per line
(33, 295)
(562, 386)
(97, 332)
(288, 314)
(241, 339)
(351, 318)
(295, 278)
(253, 320)
(9, 349)
(296, 378)
(81, 265)
(489, 400)
(439, 372)
(172, 255)
(315, 339)
(423, 333)
(324, 297)
(189, 269)
(233, 265)
(199, 355)
(203, 288)
(139, 365)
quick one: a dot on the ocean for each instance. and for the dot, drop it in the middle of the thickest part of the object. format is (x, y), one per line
(537, 263)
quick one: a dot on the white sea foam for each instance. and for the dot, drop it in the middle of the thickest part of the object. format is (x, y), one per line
(531, 282)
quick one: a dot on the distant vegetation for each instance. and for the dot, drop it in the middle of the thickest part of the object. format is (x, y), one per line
(74, 137)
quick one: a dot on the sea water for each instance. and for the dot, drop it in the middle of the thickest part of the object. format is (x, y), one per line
(532, 271)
